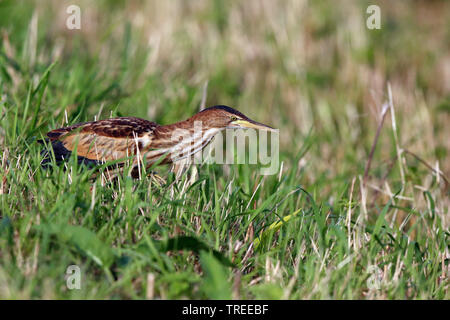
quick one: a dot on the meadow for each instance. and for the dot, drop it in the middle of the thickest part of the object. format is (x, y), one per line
(359, 208)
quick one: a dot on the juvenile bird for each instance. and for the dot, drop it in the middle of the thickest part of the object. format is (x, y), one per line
(146, 142)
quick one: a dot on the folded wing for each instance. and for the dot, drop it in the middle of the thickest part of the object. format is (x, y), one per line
(103, 140)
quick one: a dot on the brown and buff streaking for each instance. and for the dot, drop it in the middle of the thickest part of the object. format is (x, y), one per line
(119, 139)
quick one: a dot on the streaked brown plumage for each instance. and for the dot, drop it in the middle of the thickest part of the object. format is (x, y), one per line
(122, 138)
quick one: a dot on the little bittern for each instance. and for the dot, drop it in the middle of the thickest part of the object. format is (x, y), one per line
(121, 138)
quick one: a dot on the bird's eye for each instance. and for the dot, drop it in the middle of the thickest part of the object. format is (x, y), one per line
(233, 118)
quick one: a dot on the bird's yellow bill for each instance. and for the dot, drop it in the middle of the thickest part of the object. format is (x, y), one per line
(252, 124)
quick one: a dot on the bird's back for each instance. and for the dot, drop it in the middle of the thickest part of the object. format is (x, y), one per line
(103, 140)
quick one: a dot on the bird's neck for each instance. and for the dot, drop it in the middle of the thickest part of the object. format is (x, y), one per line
(183, 139)
(193, 125)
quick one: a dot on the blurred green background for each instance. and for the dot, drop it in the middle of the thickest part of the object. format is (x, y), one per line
(310, 68)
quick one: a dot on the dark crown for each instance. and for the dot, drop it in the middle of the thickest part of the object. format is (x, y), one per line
(227, 109)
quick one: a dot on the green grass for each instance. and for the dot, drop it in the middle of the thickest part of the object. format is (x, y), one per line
(312, 231)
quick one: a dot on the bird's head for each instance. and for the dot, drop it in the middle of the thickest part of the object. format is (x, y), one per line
(223, 117)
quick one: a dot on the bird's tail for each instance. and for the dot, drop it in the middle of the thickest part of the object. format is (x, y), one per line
(60, 152)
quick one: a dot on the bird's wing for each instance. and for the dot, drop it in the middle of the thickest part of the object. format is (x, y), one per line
(104, 140)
